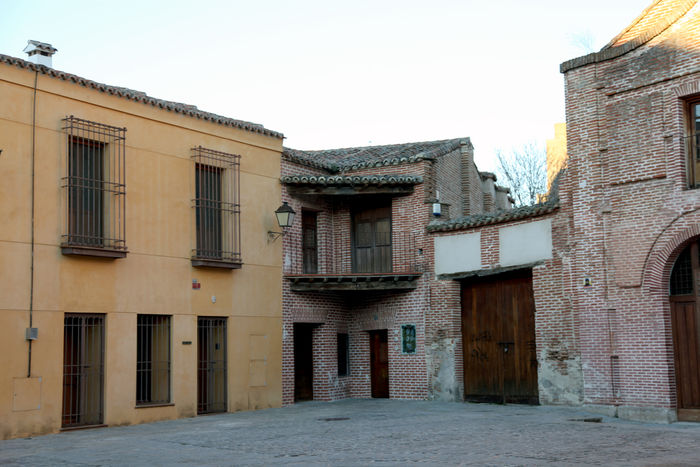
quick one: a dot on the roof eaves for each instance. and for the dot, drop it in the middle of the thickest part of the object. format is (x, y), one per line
(608, 52)
(341, 180)
(138, 96)
(479, 220)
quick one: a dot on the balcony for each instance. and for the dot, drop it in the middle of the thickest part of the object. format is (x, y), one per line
(347, 265)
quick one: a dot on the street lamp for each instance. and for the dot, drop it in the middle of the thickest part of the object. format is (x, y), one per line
(285, 218)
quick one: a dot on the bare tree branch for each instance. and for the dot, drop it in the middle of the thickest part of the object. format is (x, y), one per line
(524, 171)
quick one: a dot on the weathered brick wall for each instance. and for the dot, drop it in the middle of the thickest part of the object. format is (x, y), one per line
(357, 312)
(625, 129)
(435, 369)
(559, 364)
(447, 173)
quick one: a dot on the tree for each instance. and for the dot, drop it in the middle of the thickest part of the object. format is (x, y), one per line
(524, 171)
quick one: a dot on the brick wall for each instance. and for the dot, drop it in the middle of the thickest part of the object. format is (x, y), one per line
(434, 370)
(625, 130)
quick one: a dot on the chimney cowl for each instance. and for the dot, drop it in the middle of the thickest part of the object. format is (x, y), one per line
(40, 52)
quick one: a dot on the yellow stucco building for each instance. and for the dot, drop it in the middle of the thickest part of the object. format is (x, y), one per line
(137, 278)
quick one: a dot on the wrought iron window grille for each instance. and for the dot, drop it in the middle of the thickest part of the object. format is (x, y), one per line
(153, 356)
(94, 189)
(217, 209)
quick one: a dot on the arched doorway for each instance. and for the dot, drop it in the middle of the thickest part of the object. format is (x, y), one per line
(685, 321)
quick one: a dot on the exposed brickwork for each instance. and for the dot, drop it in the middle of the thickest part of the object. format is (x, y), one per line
(411, 376)
(631, 210)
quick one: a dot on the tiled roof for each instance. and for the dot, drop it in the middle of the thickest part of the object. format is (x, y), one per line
(345, 159)
(494, 218)
(177, 107)
(340, 180)
(653, 21)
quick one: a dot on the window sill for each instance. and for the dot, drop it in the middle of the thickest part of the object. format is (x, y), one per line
(148, 406)
(215, 263)
(76, 250)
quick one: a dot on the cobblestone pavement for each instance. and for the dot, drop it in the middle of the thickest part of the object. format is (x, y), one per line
(360, 432)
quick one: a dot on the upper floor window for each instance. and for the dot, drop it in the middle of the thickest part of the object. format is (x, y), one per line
(217, 209)
(372, 240)
(94, 188)
(693, 144)
(309, 241)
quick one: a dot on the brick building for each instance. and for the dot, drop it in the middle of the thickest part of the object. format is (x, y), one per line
(358, 295)
(632, 124)
(587, 298)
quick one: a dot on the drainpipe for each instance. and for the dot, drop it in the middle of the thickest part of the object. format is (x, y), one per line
(31, 279)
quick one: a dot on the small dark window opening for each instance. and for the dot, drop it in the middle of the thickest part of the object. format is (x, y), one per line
(682, 274)
(309, 241)
(153, 359)
(343, 354)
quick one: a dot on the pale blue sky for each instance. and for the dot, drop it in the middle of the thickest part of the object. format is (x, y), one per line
(334, 74)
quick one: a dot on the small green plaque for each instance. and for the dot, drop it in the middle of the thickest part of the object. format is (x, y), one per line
(408, 338)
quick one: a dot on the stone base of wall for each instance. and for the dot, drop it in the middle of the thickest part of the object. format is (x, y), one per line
(639, 414)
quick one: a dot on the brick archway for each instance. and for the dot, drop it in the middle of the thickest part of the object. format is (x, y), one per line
(656, 279)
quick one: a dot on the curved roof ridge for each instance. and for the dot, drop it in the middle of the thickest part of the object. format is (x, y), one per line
(611, 50)
(138, 96)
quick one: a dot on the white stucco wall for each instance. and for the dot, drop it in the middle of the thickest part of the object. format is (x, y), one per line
(458, 253)
(525, 243)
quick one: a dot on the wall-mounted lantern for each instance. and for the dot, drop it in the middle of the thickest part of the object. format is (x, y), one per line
(285, 218)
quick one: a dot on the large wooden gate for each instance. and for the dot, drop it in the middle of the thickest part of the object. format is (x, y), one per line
(498, 330)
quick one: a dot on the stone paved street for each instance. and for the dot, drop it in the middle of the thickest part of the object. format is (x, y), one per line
(360, 432)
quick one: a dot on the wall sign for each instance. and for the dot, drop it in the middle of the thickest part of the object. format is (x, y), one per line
(408, 338)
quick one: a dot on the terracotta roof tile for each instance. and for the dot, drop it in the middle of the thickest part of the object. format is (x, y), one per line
(346, 159)
(478, 220)
(340, 180)
(177, 107)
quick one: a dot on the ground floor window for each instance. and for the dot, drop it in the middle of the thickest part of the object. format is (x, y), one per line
(153, 359)
(343, 354)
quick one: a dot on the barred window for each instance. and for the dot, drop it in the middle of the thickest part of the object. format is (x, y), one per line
(94, 188)
(216, 209)
(153, 359)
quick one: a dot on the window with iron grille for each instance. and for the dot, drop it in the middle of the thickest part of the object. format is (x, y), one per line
(343, 354)
(94, 188)
(217, 209)
(153, 359)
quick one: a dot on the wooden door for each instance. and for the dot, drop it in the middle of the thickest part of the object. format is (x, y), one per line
(379, 363)
(684, 319)
(372, 240)
(303, 362)
(685, 327)
(498, 331)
